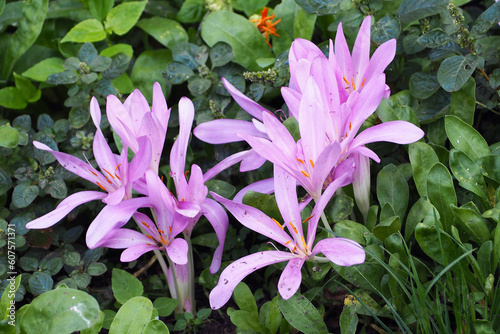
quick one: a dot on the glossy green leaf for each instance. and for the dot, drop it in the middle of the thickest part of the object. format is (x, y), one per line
(340, 208)
(387, 227)
(266, 203)
(435, 244)
(42, 70)
(434, 38)
(5, 181)
(301, 314)
(123, 17)
(468, 174)
(191, 11)
(454, 71)
(351, 230)
(40, 282)
(244, 298)
(165, 306)
(24, 194)
(490, 167)
(167, 32)
(220, 187)
(348, 320)
(133, 316)
(245, 320)
(78, 117)
(472, 224)
(125, 286)
(8, 296)
(423, 84)
(28, 29)
(60, 311)
(156, 326)
(100, 8)
(487, 19)
(392, 188)
(249, 7)
(413, 10)
(421, 212)
(465, 138)
(148, 69)
(235, 30)
(441, 193)
(320, 7)
(385, 29)
(113, 50)
(303, 26)
(463, 102)
(11, 98)
(9, 136)
(90, 30)
(221, 54)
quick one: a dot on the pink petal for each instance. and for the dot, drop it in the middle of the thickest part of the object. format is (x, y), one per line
(141, 161)
(292, 100)
(291, 278)
(263, 186)
(361, 184)
(341, 251)
(251, 161)
(342, 53)
(123, 238)
(137, 106)
(238, 270)
(224, 164)
(381, 58)
(65, 207)
(399, 132)
(115, 197)
(121, 122)
(361, 50)
(177, 251)
(132, 253)
(250, 106)
(326, 161)
(280, 136)
(160, 108)
(285, 187)
(217, 217)
(222, 131)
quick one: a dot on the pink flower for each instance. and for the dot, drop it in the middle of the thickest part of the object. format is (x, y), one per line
(300, 246)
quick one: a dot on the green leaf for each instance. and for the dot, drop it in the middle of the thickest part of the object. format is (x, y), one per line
(392, 188)
(428, 239)
(301, 314)
(133, 316)
(156, 326)
(233, 29)
(266, 203)
(423, 84)
(385, 29)
(11, 98)
(351, 230)
(125, 286)
(9, 136)
(472, 224)
(245, 320)
(249, 6)
(113, 50)
(487, 19)
(165, 306)
(244, 299)
(60, 311)
(434, 38)
(490, 167)
(71, 257)
(198, 86)
(341, 208)
(413, 10)
(100, 8)
(28, 29)
(177, 73)
(24, 194)
(348, 320)
(441, 193)
(5, 180)
(40, 282)
(220, 187)
(387, 227)
(421, 211)
(191, 11)
(320, 7)
(221, 54)
(78, 117)
(8, 296)
(123, 17)
(465, 138)
(454, 71)
(89, 30)
(463, 102)
(303, 26)
(96, 269)
(468, 174)
(42, 70)
(167, 32)
(148, 69)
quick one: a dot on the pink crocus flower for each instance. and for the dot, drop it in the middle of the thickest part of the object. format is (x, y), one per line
(300, 247)
(134, 119)
(116, 178)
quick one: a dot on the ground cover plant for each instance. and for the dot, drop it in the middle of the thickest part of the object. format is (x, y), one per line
(240, 166)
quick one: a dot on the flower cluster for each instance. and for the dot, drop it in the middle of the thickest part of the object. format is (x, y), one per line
(143, 130)
(330, 98)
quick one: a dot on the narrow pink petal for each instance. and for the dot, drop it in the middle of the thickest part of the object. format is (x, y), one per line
(160, 199)
(177, 251)
(95, 112)
(217, 217)
(263, 186)
(292, 100)
(381, 58)
(280, 136)
(115, 197)
(137, 106)
(121, 122)
(254, 219)
(361, 184)
(291, 278)
(324, 77)
(301, 49)
(341, 251)
(159, 107)
(132, 253)
(65, 207)
(326, 161)
(285, 189)
(251, 161)
(71, 163)
(111, 217)
(250, 106)
(123, 238)
(188, 209)
(399, 132)
(363, 150)
(222, 131)
(238, 270)
(179, 149)
(141, 161)
(361, 51)
(198, 191)
(342, 54)
(224, 164)
(151, 129)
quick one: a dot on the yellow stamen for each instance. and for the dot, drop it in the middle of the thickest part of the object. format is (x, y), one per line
(182, 199)
(303, 242)
(363, 83)
(301, 161)
(92, 172)
(143, 223)
(306, 174)
(286, 243)
(108, 174)
(312, 163)
(350, 124)
(353, 84)
(162, 240)
(345, 80)
(294, 248)
(186, 173)
(277, 222)
(100, 186)
(294, 229)
(150, 237)
(170, 229)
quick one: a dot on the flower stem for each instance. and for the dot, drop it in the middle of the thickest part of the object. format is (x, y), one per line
(325, 221)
